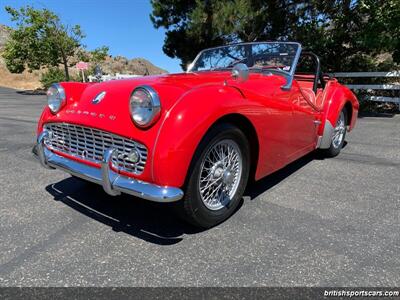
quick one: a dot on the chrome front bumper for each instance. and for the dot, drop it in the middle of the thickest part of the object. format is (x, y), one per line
(113, 183)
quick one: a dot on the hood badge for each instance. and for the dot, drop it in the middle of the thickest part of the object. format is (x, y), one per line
(92, 114)
(98, 98)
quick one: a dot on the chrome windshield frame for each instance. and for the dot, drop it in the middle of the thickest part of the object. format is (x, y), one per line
(289, 75)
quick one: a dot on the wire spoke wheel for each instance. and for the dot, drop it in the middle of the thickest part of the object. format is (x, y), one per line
(220, 174)
(339, 131)
(217, 177)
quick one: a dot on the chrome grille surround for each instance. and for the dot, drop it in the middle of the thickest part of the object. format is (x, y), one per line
(90, 144)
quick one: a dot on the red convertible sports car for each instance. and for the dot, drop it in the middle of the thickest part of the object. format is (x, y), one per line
(239, 113)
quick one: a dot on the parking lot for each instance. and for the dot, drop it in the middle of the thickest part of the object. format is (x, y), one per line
(325, 222)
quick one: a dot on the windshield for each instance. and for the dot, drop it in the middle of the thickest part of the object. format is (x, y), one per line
(281, 56)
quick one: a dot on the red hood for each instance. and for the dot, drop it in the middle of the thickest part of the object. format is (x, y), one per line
(112, 113)
(115, 104)
(169, 87)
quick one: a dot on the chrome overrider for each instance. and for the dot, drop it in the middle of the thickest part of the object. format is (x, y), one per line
(113, 183)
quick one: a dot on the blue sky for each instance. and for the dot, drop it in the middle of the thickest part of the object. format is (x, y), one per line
(123, 25)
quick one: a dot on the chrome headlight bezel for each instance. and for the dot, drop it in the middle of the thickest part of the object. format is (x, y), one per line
(144, 114)
(56, 99)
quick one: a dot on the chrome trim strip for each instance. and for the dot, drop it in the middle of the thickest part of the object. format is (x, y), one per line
(111, 181)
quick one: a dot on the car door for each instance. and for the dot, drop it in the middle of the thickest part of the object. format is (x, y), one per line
(304, 125)
(275, 117)
(298, 122)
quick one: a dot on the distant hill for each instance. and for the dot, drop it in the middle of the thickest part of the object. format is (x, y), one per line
(138, 66)
(111, 65)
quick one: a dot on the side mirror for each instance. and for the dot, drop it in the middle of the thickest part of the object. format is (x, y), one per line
(240, 72)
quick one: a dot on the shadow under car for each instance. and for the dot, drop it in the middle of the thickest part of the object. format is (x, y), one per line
(150, 221)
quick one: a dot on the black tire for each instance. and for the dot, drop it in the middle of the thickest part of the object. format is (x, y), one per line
(192, 208)
(334, 150)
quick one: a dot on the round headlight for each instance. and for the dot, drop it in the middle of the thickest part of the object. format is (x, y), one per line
(55, 98)
(145, 106)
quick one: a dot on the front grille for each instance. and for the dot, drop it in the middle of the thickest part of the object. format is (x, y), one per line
(89, 144)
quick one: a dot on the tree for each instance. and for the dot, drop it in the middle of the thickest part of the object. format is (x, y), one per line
(194, 25)
(381, 26)
(356, 31)
(190, 27)
(40, 40)
(98, 54)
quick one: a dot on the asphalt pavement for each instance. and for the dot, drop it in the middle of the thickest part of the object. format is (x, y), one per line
(318, 222)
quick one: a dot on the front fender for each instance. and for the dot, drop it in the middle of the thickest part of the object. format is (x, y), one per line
(184, 126)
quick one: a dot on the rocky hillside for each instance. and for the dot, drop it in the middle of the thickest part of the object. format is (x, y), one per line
(139, 66)
(111, 65)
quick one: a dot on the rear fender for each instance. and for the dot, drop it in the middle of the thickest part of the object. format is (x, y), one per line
(338, 96)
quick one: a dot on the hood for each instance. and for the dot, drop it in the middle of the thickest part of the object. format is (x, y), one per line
(112, 112)
(169, 87)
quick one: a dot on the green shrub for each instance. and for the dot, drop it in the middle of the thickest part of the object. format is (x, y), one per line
(52, 75)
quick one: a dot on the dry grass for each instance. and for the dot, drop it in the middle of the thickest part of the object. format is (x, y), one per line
(24, 81)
